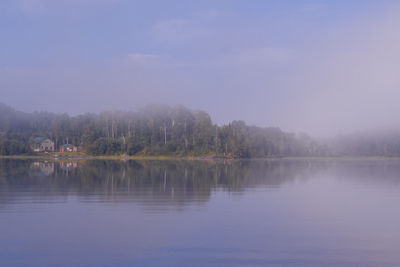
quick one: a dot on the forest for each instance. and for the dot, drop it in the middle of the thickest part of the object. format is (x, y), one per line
(177, 131)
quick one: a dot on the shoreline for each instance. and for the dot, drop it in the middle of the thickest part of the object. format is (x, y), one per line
(56, 157)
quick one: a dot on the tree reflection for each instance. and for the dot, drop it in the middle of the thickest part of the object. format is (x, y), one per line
(169, 182)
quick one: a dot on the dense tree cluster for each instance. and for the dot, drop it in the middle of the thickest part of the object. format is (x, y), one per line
(164, 130)
(154, 130)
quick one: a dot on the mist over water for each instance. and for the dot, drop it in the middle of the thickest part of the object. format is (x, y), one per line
(286, 113)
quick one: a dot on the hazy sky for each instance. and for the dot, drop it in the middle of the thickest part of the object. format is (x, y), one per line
(318, 66)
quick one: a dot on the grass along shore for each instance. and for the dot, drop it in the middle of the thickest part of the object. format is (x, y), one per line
(84, 156)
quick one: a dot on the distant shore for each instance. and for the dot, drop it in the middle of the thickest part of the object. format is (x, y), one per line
(82, 156)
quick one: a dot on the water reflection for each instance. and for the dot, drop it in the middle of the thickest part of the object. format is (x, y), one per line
(166, 182)
(197, 213)
(174, 182)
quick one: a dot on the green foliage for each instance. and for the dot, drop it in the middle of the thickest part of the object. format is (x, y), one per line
(102, 146)
(135, 148)
(163, 130)
(13, 146)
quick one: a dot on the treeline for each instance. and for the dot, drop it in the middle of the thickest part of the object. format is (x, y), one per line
(153, 130)
(164, 130)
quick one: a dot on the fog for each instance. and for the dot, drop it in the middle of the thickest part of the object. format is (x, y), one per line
(323, 67)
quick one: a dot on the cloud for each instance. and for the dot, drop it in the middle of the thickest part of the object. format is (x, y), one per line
(265, 56)
(274, 69)
(349, 79)
(143, 58)
(171, 30)
(45, 7)
(194, 27)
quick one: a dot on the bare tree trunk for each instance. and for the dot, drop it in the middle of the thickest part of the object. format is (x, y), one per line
(216, 139)
(134, 132)
(112, 128)
(108, 130)
(186, 141)
(165, 134)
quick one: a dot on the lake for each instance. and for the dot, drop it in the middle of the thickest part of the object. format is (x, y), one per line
(200, 213)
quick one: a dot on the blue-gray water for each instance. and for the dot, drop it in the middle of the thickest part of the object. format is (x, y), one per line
(199, 213)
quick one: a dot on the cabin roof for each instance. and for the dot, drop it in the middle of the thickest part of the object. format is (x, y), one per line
(40, 138)
(66, 145)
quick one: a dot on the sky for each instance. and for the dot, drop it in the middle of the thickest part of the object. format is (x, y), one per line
(321, 67)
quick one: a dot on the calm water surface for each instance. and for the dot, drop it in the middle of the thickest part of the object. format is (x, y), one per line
(197, 213)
